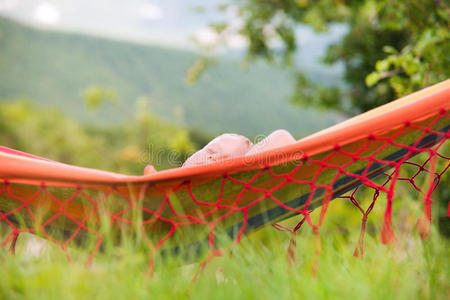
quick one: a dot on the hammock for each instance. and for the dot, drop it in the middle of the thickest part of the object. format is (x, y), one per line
(193, 206)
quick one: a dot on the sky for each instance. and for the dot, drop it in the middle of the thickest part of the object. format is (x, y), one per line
(172, 23)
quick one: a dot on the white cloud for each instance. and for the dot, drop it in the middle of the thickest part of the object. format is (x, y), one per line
(269, 30)
(237, 41)
(232, 11)
(151, 12)
(7, 4)
(207, 36)
(47, 13)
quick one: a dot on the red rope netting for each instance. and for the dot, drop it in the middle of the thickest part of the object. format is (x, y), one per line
(194, 211)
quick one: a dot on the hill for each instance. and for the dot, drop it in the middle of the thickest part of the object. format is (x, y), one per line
(54, 68)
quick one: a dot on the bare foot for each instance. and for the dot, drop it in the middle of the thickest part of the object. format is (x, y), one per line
(276, 139)
(221, 148)
(149, 169)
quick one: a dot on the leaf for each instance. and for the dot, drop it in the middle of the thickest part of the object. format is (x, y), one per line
(372, 79)
(382, 65)
(389, 49)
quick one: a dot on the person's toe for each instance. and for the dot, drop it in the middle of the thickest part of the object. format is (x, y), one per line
(149, 169)
(276, 139)
(223, 147)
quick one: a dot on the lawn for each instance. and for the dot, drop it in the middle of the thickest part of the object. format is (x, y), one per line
(257, 268)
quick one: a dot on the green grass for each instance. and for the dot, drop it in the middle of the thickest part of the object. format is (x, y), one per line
(257, 269)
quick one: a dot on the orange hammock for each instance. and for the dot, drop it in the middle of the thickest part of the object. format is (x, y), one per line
(193, 206)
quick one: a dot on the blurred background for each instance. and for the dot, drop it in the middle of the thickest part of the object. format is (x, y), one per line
(117, 85)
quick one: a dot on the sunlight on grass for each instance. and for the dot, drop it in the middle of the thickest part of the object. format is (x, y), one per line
(257, 268)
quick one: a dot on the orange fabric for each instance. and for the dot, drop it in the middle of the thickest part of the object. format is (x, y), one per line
(194, 205)
(418, 105)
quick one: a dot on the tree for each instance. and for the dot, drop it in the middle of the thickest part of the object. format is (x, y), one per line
(96, 96)
(392, 48)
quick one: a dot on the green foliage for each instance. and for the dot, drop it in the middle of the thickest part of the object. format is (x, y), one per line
(197, 69)
(392, 48)
(96, 96)
(54, 69)
(424, 59)
(127, 148)
(33, 130)
(315, 94)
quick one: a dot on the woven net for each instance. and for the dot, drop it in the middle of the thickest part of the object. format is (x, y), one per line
(197, 211)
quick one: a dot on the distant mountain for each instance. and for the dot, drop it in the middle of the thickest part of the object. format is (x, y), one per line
(53, 68)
